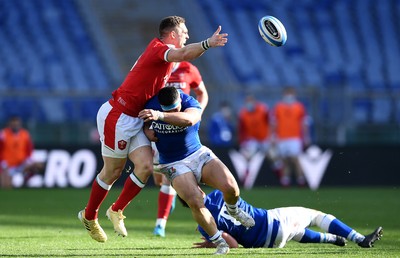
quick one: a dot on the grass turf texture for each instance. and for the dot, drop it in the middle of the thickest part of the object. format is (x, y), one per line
(43, 223)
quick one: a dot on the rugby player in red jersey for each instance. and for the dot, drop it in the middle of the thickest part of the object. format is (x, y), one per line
(120, 129)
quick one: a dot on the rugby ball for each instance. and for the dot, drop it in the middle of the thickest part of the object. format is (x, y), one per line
(272, 31)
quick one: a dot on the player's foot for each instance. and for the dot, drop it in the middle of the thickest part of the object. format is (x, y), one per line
(222, 247)
(159, 231)
(370, 239)
(340, 241)
(117, 219)
(93, 227)
(245, 219)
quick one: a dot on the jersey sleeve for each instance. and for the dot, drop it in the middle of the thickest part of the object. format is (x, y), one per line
(162, 50)
(189, 102)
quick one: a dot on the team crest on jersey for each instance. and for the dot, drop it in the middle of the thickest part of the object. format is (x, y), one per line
(169, 171)
(122, 144)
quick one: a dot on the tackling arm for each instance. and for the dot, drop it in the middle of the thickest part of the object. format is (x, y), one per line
(187, 118)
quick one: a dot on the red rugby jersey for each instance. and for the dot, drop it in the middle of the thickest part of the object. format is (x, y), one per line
(147, 76)
(185, 76)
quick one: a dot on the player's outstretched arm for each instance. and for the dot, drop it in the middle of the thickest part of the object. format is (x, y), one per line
(194, 50)
(208, 244)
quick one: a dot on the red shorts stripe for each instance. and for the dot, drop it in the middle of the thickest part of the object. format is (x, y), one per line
(110, 127)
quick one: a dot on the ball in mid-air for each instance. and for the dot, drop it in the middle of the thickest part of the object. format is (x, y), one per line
(272, 31)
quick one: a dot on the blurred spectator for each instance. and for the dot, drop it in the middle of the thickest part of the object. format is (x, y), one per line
(15, 151)
(291, 132)
(254, 128)
(221, 127)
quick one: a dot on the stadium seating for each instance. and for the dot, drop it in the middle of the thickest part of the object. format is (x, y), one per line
(348, 47)
(45, 47)
(339, 36)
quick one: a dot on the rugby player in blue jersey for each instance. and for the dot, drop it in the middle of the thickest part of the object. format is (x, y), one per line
(174, 119)
(275, 227)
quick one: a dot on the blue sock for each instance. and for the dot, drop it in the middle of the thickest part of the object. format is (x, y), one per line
(339, 228)
(311, 236)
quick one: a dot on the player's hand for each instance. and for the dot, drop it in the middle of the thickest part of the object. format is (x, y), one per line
(218, 40)
(204, 244)
(150, 115)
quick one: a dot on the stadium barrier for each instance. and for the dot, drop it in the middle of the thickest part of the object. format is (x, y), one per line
(324, 166)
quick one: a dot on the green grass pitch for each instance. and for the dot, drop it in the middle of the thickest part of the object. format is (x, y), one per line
(43, 223)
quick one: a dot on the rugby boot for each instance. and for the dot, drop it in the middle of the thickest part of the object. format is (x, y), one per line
(93, 227)
(117, 219)
(370, 239)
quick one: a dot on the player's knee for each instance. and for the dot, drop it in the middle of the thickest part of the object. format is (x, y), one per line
(144, 168)
(323, 220)
(195, 203)
(230, 190)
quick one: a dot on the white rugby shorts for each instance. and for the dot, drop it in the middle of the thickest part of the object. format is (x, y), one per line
(291, 147)
(194, 163)
(120, 134)
(293, 220)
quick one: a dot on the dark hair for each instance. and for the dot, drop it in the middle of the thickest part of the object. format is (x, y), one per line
(168, 95)
(168, 24)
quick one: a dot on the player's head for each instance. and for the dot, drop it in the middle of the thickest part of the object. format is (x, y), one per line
(15, 123)
(170, 99)
(173, 31)
(289, 94)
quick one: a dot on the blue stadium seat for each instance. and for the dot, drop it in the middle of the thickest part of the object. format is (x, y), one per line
(361, 110)
(381, 112)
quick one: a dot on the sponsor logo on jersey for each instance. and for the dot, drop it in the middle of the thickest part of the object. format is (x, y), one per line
(177, 85)
(167, 128)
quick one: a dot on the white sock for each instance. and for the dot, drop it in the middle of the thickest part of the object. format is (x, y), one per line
(328, 238)
(355, 237)
(161, 222)
(217, 238)
(232, 208)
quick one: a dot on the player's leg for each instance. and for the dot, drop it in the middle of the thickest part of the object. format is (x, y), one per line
(110, 172)
(331, 224)
(295, 149)
(141, 156)
(186, 186)
(293, 225)
(283, 149)
(116, 130)
(311, 236)
(5, 179)
(218, 176)
(166, 198)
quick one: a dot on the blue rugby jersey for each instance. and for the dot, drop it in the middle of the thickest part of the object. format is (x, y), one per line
(249, 238)
(175, 142)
